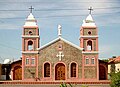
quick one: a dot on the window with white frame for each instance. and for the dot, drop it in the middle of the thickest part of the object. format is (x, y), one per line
(87, 61)
(92, 61)
(27, 61)
(33, 61)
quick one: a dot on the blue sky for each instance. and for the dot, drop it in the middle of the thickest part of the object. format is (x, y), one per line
(50, 13)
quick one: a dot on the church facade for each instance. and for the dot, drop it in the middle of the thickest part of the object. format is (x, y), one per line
(60, 60)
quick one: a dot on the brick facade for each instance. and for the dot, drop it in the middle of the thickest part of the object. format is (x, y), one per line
(71, 54)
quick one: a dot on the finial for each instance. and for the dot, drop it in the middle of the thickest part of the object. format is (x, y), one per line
(59, 30)
(31, 8)
(91, 9)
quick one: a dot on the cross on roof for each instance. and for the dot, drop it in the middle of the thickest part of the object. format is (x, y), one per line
(59, 30)
(31, 8)
(91, 9)
(60, 55)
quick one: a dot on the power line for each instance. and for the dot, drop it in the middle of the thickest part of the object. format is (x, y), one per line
(61, 9)
(55, 16)
(19, 2)
(3, 45)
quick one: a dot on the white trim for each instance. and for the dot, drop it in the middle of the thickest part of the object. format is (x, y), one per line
(89, 36)
(60, 38)
(91, 52)
(30, 52)
(30, 36)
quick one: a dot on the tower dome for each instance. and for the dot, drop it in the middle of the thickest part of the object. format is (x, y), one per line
(30, 21)
(89, 19)
(89, 22)
(31, 17)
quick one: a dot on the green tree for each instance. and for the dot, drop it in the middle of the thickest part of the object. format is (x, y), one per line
(115, 79)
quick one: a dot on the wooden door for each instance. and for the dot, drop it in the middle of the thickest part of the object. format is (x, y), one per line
(60, 72)
(17, 73)
(102, 73)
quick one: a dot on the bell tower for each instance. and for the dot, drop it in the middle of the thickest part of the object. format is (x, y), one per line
(89, 41)
(30, 43)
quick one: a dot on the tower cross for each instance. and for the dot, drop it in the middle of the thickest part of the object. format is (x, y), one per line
(91, 9)
(60, 55)
(31, 8)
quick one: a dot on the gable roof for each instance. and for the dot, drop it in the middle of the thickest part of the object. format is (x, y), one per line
(57, 39)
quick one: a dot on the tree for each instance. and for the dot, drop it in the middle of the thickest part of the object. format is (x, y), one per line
(115, 79)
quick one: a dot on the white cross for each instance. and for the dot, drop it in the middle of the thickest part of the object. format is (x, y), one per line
(59, 30)
(60, 55)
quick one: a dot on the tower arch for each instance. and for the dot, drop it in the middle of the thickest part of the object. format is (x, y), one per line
(30, 45)
(89, 45)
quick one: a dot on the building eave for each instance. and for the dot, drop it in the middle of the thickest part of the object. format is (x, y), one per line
(87, 52)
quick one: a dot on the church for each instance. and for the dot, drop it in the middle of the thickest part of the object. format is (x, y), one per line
(59, 60)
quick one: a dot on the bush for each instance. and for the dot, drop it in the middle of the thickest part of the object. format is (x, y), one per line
(115, 79)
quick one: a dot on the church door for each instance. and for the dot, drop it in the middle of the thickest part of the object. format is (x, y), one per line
(17, 73)
(102, 73)
(60, 72)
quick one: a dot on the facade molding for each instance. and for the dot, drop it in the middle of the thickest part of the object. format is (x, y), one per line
(30, 36)
(29, 52)
(87, 36)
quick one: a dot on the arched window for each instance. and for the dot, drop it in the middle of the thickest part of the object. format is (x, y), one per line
(46, 70)
(73, 70)
(30, 45)
(89, 45)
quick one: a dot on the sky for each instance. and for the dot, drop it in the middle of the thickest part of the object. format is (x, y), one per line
(49, 14)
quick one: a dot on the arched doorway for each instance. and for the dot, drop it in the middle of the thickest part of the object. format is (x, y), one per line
(17, 73)
(60, 71)
(102, 72)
